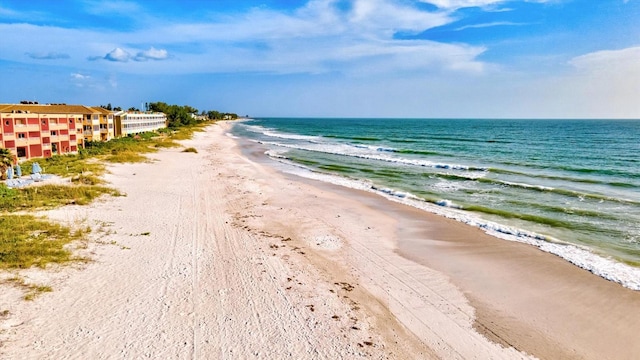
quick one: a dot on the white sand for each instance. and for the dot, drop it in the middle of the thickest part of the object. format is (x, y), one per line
(200, 285)
(239, 262)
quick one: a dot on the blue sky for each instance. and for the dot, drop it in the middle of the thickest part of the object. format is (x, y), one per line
(358, 58)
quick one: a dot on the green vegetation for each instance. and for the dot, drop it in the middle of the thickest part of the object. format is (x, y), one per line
(191, 150)
(6, 161)
(49, 196)
(27, 241)
(178, 116)
(167, 144)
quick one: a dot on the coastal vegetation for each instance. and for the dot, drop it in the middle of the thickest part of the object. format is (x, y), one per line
(6, 160)
(186, 115)
(26, 240)
(37, 243)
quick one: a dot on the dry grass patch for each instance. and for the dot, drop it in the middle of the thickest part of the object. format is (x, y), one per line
(27, 241)
(167, 144)
(31, 290)
(50, 196)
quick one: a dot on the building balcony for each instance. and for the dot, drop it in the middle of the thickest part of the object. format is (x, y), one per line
(29, 127)
(9, 136)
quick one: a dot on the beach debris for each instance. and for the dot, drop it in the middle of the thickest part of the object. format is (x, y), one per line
(345, 286)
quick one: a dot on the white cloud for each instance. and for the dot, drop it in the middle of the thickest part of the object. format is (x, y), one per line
(315, 38)
(152, 54)
(79, 76)
(389, 17)
(491, 24)
(8, 13)
(458, 4)
(487, 4)
(321, 37)
(118, 55)
(48, 56)
(625, 60)
(609, 80)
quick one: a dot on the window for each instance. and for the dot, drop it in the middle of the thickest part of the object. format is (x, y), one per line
(22, 136)
(54, 133)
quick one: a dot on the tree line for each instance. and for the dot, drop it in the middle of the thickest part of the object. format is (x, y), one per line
(180, 115)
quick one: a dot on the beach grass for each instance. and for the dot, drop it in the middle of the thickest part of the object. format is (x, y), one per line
(50, 196)
(186, 132)
(65, 165)
(166, 144)
(191, 150)
(26, 241)
(125, 156)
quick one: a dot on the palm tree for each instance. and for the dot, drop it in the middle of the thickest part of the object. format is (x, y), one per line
(6, 161)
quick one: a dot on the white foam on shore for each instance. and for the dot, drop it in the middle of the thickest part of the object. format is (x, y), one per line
(584, 258)
(366, 152)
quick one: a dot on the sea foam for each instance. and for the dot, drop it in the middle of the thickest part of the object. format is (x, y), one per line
(584, 258)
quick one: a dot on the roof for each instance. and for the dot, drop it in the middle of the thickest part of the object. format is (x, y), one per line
(48, 109)
(102, 110)
(123, 112)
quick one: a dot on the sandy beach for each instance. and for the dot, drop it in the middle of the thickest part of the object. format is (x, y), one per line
(216, 255)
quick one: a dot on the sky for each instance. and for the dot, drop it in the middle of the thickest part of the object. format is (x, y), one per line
(329, 58)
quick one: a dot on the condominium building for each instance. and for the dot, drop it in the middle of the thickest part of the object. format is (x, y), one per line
(99, 125)
(35, 130)
(135, 122)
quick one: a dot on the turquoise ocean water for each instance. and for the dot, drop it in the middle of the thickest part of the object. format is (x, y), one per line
(569, 187)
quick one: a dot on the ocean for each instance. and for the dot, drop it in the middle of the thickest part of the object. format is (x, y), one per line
(568, 187)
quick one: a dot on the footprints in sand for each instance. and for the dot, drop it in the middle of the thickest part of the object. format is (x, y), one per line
(321, 303)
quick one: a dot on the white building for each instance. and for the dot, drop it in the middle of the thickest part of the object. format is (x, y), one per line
(135, 122)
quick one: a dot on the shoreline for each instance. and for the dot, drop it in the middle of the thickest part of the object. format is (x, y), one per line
(227, 257)
(523, 296)
(595, 245)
